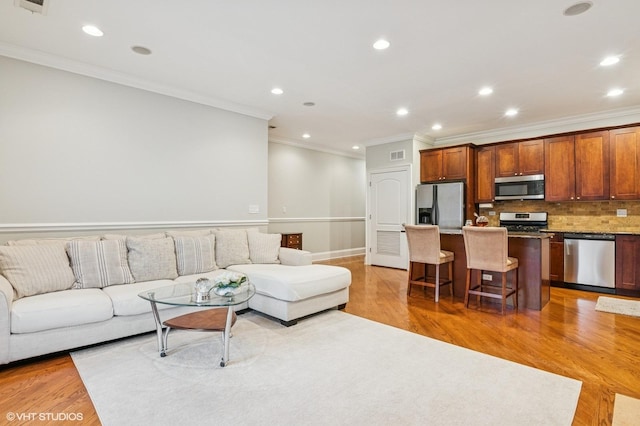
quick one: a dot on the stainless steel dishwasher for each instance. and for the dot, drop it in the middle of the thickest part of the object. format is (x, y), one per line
(589, 259)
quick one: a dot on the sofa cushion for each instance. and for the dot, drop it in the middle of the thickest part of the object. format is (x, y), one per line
(126, 301)
(232, 247)
(36, 269)
(152, 259)
(195, 255)
(264, 248)
(99, 263)
(293, 283)
(60, 309)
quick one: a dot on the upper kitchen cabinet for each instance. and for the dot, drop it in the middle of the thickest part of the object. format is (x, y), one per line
(485, 174)
(437, 165)
(624, 163)
(577, 167)
(520, 158)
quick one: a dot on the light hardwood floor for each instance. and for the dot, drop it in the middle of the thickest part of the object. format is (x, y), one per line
(567, 337)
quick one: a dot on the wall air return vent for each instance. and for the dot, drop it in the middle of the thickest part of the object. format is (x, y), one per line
(36, 6)
(396, 155)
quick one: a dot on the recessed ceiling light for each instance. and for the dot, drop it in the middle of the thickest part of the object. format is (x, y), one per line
(437, 126)
(355, 147)
(485, 91)
(615, 92)
(92, 30)
(610, 60)
(578, 8)
(381, 44)
(402, 111)
(306, 135)
(277, 91)
(511, 112)
(309, 104)
(141, 50)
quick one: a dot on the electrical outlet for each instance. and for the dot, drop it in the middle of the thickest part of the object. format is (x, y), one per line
(487, 277)
(254, 209)
(621, 212)
(284, 209)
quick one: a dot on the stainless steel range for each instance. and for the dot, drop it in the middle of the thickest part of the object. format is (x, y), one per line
(524, 222)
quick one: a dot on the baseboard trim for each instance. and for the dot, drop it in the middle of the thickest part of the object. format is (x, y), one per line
(108, 226)
(337, 254)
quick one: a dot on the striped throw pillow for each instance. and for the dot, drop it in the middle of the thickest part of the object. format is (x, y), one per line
(195, 255)
(36, 269)
(98, 264)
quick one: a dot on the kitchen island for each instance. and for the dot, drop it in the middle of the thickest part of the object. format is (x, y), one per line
(532, 252)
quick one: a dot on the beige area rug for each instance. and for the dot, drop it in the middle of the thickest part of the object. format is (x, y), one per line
(618, 306)
(333, 368)
(626, 411)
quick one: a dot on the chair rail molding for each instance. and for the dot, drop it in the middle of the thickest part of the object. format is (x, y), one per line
(104, 226)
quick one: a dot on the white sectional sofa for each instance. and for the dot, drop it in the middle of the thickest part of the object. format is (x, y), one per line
(59, 294)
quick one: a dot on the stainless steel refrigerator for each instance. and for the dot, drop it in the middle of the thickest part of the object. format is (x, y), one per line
(440, 204)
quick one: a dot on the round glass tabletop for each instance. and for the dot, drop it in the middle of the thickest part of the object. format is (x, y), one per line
(184, 294)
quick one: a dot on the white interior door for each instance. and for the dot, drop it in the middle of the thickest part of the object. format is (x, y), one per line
(389, 208)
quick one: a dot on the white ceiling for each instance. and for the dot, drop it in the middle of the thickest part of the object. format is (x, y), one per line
(230, 54)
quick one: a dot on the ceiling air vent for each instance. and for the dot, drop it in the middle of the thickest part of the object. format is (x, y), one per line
(396, 155)
(36, 6)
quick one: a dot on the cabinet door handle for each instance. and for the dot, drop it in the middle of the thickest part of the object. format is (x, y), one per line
(613, 196)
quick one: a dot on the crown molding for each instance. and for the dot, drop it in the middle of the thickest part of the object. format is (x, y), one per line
(392, 139)
(359, 155)
(101, 73)
(610, 118)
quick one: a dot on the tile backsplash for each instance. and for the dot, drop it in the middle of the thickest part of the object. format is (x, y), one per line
(586, 216)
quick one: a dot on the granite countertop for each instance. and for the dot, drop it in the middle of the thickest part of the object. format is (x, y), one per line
(539, 235)
(591, 231)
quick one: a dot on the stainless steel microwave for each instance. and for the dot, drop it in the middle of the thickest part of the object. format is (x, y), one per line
(520, 188)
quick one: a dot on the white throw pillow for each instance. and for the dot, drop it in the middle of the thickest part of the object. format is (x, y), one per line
(36, 269)
(152, 259)
(195, 255)
(264, 248)
(98, 264)
(232, 247)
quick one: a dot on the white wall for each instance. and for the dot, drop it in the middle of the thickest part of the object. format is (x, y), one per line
(319, 194)
(75, 149)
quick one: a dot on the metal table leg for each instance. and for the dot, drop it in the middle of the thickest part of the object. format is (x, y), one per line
(162, 340)
(225, 337)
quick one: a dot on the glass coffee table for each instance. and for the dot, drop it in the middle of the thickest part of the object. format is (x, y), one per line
(184, 294)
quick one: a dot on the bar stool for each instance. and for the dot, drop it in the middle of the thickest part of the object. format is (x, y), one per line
(424, 247)
(487, 249)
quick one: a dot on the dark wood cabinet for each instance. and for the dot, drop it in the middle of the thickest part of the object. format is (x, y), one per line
(628, 265)
(625, 163)
(592, 166)
(560, 165)
(556, 257)
(485, 174)
(577, 167)
(444, 164)
(451, 164)
(293, 241)
(520, 158)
